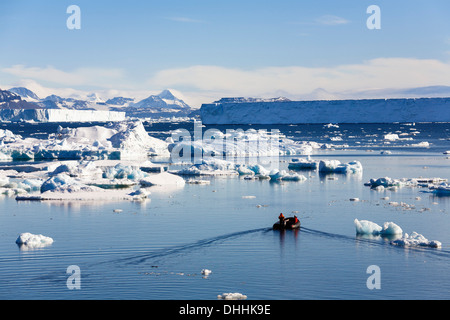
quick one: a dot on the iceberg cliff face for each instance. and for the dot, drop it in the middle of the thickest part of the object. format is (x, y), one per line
(333, 111)
(60, 115)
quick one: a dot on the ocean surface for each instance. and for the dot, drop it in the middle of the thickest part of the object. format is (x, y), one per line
(156, 250)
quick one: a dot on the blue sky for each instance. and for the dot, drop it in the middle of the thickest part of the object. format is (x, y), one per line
(209, 49)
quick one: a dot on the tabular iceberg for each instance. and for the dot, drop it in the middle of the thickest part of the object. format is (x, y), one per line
(333, 111)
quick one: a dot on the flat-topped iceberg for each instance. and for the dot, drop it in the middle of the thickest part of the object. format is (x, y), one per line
(303, 164)
(335, 166)
(282, 175)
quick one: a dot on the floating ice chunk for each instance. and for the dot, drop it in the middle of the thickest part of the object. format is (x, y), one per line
(423, 144)
(335, 166)
(193, 181)
(303, 164)
(441, 190)
(33, 240)
(384, 182)
(121, 171)
(231, 296)
(371, 228)
(86, 169)
(276, 174)
(4, 180)
(390, 228)
(391, 137)
(206, 272)
(210, 166)
(328, 165)
(139, 194)
(416, 239)
(367, 227)
(162, 179)
(244, 170)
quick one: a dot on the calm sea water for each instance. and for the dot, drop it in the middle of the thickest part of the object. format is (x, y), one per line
(157, 249)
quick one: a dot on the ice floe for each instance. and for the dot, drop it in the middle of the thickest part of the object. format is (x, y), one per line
(416, 239)
(303, 164)
(283, 175)
(232, 296)
(31, 241)
(162, 179)
(435, 185)
(335, 166)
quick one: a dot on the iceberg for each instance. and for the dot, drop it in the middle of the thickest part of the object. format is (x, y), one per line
(210, 166)
(416, 239)
(276, 174)
(303, 164)
(335, 166)
(33, 241)
(125, 140)
(326, 111)
(162, 179)
(60, 115)
(371, 228)
(440, 190)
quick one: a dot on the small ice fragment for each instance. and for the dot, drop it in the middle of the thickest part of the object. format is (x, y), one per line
(232, 296)
(206, 272)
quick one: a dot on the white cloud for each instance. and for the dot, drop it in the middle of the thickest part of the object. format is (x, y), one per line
(381, 73)
(331, 20)
(185, 19)
(206, 83)
(80, 77)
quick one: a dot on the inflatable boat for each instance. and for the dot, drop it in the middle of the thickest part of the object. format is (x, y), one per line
(289, 223)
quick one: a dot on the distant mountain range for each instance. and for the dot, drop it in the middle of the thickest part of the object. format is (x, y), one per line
(164, 104)
(420, 92)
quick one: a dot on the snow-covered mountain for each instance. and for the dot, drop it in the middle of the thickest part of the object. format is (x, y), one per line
(11, 100)
(7, 96)
(164, 104)
(119, 101)
(25, 94)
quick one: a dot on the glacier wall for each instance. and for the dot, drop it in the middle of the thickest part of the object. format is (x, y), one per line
(60, 115)
(334, 111)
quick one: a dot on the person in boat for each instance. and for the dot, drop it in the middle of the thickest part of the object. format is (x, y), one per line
(282, 219)
(295, 220)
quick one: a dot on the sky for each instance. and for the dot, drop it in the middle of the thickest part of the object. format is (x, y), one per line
(204, 50)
